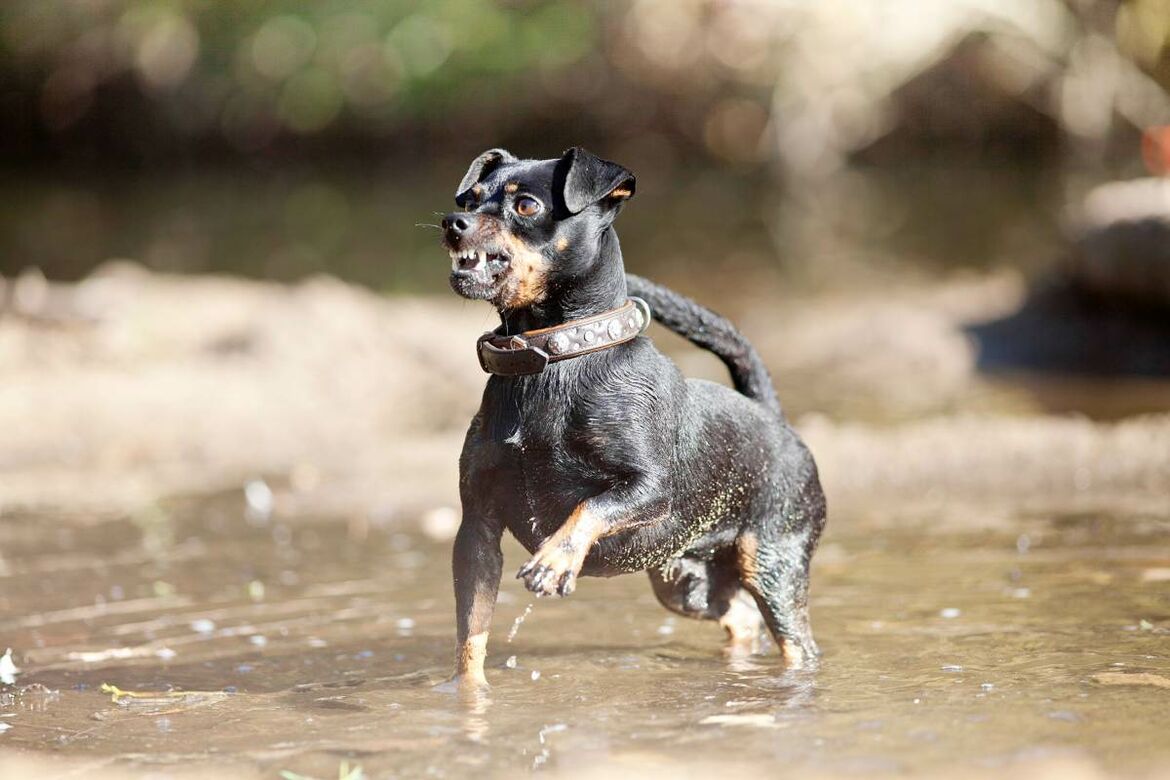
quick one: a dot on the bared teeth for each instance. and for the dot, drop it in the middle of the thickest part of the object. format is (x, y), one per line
(472, 259)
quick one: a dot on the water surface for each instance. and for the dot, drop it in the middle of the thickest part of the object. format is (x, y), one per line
(316, 640)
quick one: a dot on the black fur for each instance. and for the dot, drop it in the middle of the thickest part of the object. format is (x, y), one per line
(705, 487)
(704, 328)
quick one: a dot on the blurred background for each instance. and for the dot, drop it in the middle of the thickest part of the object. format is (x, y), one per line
(228, 459)
(822, 142)
(914, 211)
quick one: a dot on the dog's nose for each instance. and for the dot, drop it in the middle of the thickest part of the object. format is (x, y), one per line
(455, 226)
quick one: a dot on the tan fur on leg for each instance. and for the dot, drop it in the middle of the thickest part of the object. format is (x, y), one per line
(742, 622)
(554, 567)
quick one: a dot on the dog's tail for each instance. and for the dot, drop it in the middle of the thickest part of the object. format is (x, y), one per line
(704, 328)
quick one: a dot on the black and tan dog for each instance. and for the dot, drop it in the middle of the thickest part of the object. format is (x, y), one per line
(590, 447)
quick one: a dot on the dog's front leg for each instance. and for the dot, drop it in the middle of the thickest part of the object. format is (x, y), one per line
(555, 566)
(476, 564)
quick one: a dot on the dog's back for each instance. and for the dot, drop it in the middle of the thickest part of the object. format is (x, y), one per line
(706, 329)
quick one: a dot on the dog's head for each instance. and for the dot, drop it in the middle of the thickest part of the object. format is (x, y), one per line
(530, 227)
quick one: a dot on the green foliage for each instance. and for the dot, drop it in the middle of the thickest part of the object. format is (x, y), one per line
(255, 65)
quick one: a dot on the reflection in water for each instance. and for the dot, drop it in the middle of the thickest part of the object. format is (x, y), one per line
(946, 648)
(475, 702)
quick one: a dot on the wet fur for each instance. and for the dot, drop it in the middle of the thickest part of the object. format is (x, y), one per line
(705, 487)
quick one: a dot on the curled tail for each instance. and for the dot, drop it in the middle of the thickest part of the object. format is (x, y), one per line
(704, 328)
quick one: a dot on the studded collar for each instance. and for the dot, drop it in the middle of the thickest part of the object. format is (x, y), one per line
(531, 351)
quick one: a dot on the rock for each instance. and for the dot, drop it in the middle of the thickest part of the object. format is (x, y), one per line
(1121, 244)
(1105, 308)
(982, 95)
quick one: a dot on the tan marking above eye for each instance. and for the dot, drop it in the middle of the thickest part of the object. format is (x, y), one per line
(473, 199)
(511, 187)
(562, 244)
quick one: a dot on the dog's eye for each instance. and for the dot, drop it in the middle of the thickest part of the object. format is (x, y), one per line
(526, 206)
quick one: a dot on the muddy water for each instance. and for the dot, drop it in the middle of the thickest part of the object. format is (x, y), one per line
(309, 642)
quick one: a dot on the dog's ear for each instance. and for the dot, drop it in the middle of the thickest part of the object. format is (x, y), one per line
(480, 167)
(584, 179)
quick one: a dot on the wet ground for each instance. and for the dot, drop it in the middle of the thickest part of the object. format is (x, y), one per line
(263, 644)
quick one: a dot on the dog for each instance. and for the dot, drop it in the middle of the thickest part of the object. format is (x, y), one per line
(591, 448)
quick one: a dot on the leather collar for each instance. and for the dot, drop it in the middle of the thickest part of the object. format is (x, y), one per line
(532, 350)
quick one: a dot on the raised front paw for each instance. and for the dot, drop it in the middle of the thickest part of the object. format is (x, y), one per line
(552, 571)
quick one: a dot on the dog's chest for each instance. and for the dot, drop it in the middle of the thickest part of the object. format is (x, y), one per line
(544, 459)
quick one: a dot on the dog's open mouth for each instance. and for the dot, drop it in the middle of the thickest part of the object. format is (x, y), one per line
(478, 272)
(470, 260)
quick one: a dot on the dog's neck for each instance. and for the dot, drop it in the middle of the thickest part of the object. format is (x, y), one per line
(604, 289)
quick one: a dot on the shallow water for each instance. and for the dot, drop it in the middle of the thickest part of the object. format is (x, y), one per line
(946, 649)
(367, 223)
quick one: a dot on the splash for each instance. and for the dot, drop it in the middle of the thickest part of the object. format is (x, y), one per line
(8, 669)
(518, 622)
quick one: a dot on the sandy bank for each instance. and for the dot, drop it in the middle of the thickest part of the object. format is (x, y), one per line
(132, 386)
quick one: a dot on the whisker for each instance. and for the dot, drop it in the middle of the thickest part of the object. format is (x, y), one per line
(427, 224)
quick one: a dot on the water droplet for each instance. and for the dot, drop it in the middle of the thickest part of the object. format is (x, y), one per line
(259, 500)
(551, 729)
(8, 670)
(518, 621)
(202, 626)
(511, 662)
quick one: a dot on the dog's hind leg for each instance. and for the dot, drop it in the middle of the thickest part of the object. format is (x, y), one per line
(710, 590)
(773, 560)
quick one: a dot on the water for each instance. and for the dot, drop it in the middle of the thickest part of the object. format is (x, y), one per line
(732, 228)
(519, 621)
(956, 649)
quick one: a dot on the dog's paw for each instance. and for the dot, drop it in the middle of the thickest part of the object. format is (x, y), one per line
(552, 571)
(467, 682)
